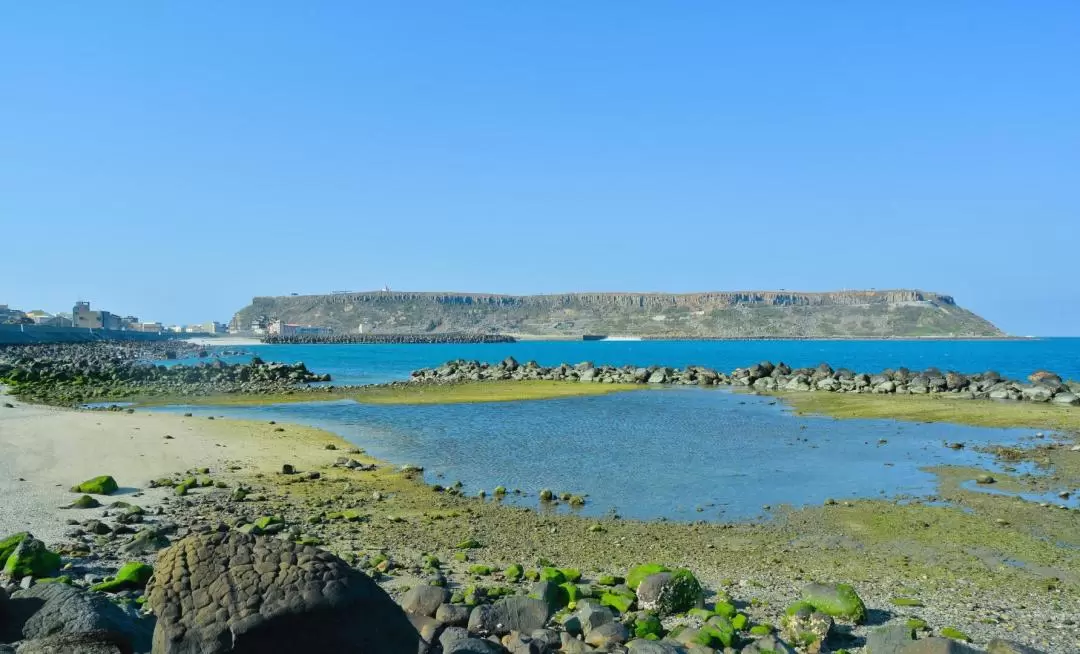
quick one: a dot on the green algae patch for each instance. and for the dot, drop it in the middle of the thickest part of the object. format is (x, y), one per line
(955, 634)
(8, 545)
(30, 558)
(498, 391)
(103, 485)
(836, 600)
(461, 393)
(934, 408)
(638, 573)
(132, 576)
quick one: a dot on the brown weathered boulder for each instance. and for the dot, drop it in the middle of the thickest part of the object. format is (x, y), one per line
(233, 592)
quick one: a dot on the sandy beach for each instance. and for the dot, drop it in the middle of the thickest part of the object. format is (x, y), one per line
(46, 450)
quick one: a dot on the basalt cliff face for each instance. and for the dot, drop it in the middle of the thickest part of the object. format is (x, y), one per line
(742, 314)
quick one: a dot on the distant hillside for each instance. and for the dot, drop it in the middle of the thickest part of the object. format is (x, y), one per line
(723, 314)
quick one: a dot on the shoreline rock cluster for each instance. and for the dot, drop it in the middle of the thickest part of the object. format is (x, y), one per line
(73, 374)
(1041, 386)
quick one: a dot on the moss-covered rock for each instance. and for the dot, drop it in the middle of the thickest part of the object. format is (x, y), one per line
(726, 609)
(514, 572)
(636, 574)
(569, 594)
(571, 574)
(648, 626)
(836, 600)
(84, 502)
(103, 485)
(480, 570)
(620, 601)
(262, 523)
(955, 634)
(668, 593)
(29, 558)
(468, 544)
(762, 629)
(716, 633)
(609, 580)
(739, 621)
(554, 575)
(132, 576)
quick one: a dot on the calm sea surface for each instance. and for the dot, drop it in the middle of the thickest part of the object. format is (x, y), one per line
(680, 453)
(352, 364)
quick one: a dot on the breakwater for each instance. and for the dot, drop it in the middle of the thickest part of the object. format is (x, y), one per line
(28, 334)
(1041, 386)
(73, 374)
(387, 339)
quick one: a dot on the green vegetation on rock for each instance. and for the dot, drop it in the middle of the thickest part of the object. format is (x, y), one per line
(132, 576)
(514, 572)
(29, 558)
(836, 600)
(103, 485)
(638, 573)
(955, 634)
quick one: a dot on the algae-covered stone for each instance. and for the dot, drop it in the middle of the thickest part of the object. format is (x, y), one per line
(84, 502)
(262, 523)
(571, 574)
(569, 593)
(726, 609)
(955, 634)
(648, 625)
(668, 593)
(103, 485)
(554, 575)
(30, 558)
(636, 574)
(8, 545)
(609, 580)
(480, 570)
(836, 600)
(468, 544)
(761, 629)
(620, 601)
(739, 621)
(132, 576)
(514, 572)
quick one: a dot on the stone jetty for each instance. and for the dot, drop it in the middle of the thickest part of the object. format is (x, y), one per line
(1041, 386)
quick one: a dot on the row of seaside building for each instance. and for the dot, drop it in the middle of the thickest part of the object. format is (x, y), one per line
(83, 316)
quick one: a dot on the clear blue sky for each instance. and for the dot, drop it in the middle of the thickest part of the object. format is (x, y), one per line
(174, 159)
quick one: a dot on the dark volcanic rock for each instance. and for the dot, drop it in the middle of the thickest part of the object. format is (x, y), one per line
(46, 610)
(233, 592)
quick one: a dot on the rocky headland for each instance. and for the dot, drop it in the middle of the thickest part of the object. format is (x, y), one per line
(739, 314)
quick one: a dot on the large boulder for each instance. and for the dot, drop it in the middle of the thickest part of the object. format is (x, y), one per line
(90, 643)
(424, 600)
(28, 558)
(667, 593)
(234, 592)
(836, 600)
(523, 614)
(46, 610)
(890, 639)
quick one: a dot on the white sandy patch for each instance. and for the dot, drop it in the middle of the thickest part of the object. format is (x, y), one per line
(45, 450)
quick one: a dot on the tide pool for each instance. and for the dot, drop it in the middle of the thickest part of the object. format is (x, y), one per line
(677, 453)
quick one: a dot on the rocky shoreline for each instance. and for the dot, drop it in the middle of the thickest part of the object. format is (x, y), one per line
(130, 579)
(265, 556)
(71, 375)
(766, 377)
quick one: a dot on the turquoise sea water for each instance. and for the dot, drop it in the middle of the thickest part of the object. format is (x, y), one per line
(678, 453)
(353, 364)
